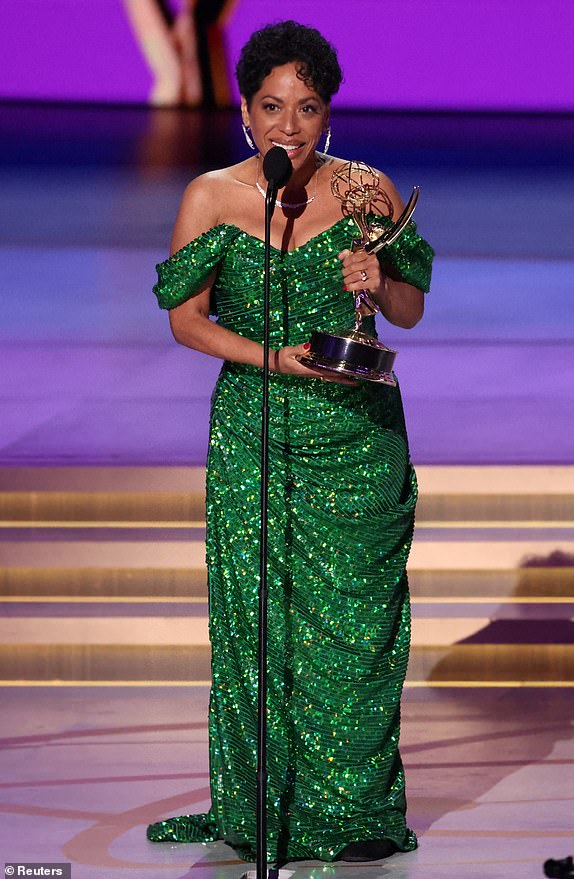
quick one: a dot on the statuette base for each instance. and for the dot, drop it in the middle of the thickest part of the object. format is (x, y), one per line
(352, 353)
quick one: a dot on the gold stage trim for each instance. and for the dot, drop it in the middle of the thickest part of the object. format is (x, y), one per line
(107, 599)
(193, 599)
(476, 685)
(481, 524)
(50, 523)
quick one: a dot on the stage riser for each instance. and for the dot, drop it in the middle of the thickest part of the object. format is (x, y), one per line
(515, 665)
(103, 576)
(430, 552)
(188, 509)
(104, 583)
(434, 480)
(187, 623)
(156, 584)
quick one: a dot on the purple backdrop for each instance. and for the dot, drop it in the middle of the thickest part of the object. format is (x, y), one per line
(438, 54)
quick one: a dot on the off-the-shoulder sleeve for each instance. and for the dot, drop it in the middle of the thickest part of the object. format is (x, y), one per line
(182, 275)
(411, 255)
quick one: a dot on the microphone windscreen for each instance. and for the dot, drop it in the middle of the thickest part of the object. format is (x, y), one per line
(277, 167)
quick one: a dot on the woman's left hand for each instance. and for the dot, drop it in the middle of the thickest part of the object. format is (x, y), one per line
(361, 271)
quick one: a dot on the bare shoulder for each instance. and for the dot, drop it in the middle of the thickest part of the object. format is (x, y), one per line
(205, 204)
(196, 214)
(389, 188)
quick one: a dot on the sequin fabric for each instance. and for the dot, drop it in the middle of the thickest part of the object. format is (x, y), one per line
(341, 510)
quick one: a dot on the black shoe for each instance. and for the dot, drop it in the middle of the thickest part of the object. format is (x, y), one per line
(371, 850)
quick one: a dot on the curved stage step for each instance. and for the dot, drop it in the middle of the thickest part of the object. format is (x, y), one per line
(103, 577)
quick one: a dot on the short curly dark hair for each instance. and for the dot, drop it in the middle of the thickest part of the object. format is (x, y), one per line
(281, 43)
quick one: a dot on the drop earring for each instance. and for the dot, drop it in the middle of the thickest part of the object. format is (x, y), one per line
(247, 136)
(327, 140)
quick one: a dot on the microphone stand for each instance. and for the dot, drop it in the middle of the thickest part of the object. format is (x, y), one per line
(261, 844)
(262, 871)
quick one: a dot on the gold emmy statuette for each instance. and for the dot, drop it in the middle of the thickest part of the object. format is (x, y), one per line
(351, 351)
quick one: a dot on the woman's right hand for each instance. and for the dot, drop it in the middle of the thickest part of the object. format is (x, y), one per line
(286, 360)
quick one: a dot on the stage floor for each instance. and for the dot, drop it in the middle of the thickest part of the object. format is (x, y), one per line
(489, 782)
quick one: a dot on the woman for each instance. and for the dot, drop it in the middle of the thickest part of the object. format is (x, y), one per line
(342, 489)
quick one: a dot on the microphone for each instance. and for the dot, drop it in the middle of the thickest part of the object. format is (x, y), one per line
(277, 169)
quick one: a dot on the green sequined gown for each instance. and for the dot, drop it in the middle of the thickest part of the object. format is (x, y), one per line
(341, 511)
